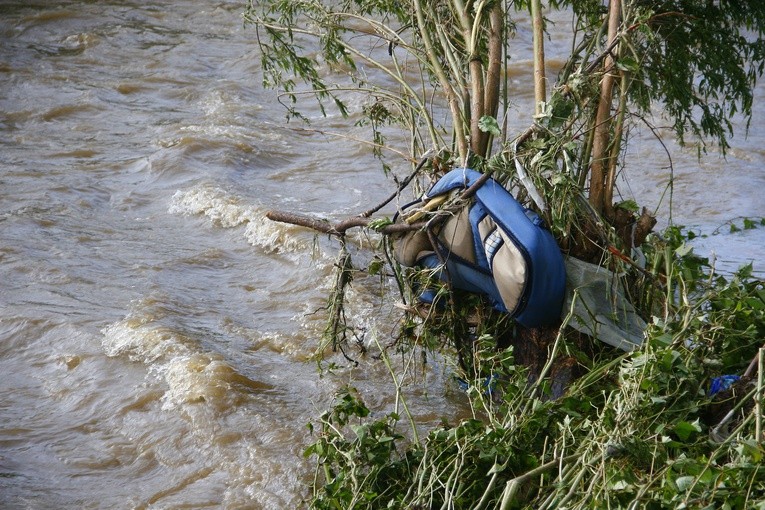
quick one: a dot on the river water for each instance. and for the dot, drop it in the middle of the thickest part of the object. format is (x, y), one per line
(155, 329)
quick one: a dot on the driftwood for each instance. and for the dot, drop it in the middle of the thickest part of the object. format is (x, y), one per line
(339, 228)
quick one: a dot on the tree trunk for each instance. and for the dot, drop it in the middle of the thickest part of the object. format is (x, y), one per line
(601, 143)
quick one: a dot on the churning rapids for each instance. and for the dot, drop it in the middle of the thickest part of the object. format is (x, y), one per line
(155, 329)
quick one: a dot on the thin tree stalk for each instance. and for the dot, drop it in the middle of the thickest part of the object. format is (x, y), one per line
(443, 79)
(616, 145)
(475, 65)
(493, 71)
(603, 115)
(462, 14)
(399, 396)
(540, 94)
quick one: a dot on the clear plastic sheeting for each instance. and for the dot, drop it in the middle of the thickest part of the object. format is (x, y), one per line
(599, 308)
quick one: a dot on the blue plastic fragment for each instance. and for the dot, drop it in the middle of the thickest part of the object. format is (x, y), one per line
(431, 297)
(722, 383)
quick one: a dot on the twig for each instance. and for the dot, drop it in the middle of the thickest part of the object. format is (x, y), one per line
(753, 363)
(403, 184)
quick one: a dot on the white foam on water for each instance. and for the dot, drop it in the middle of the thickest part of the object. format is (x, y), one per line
(226, 210)
(191, 375)
(222, 435)
(144, 343)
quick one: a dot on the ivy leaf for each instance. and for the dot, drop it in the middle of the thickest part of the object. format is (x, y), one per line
(684, 482)
(489, 124)
(684, 429)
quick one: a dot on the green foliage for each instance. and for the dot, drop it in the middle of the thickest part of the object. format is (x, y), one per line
(701, 60)
(356, 457)
(635, 431)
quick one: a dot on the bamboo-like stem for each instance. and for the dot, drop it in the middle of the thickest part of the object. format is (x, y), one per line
(616, 145)
(602, 123)
(476, 84)
(452, 59)
(462, 15)
(715, 433)
(540, 94)
(443, 79)
(489, 488)
(493, 71)
(476, 105)
(586, 152)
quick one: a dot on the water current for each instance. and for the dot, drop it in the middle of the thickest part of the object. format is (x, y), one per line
(155, 329)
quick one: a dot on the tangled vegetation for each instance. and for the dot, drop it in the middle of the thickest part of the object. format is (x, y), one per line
(560, 419)
(637, 430)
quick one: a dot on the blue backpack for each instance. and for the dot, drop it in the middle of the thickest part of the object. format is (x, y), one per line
(495, 247)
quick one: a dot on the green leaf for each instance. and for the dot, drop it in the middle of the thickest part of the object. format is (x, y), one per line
(496, 468)
(489, 124)
(683, 250)
(379, 223)
(376, 265)
(620, 485)
(684, 429)
(628, 205)
(627, 64)
(684, 482)
(664, 339)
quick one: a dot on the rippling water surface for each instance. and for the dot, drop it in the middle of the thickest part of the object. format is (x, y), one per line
(155, 328)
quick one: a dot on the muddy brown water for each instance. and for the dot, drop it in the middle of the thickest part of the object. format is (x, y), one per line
(155, 329)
